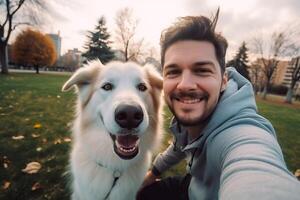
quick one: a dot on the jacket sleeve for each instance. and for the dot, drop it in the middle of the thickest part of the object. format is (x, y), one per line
(163, 161)
(252, 166)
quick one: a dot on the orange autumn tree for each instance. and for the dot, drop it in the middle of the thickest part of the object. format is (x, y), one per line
(32, 48)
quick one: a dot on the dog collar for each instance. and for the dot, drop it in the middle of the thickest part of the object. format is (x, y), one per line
(116, 174)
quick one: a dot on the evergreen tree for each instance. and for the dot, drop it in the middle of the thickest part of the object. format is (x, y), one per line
(240, 61)
(98, 43)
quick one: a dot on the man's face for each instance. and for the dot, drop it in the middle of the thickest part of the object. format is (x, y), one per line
(192, 80)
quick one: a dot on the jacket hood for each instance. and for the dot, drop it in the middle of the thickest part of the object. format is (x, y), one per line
(236, 106)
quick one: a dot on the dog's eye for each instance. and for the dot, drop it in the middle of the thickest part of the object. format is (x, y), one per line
(107, 86)
(142, 87)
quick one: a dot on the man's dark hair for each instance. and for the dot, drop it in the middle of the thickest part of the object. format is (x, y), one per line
(197, 28)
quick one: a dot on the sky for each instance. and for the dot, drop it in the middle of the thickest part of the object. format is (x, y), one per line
(239, 20)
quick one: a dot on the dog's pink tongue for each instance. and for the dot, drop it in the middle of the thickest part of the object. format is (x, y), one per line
(127, 141)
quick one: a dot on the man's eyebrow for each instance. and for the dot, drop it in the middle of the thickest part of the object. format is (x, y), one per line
(171, 66)
(200, 63)
(205, 63)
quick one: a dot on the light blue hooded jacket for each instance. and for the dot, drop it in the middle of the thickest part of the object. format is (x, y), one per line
(237, 155)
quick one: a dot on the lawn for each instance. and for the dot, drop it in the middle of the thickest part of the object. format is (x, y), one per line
(34, 127)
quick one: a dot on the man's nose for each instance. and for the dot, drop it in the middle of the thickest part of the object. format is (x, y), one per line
(187, 82)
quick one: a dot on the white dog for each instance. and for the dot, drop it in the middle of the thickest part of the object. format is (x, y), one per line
(116, 129)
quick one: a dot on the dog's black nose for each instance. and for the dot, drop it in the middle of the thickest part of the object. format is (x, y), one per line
(129, 116)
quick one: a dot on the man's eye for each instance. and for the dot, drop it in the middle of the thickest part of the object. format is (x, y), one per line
(172, 72)
(202, 71)
(107, 86)
(142, 87)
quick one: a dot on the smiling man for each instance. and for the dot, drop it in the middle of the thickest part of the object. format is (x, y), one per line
(232, 151)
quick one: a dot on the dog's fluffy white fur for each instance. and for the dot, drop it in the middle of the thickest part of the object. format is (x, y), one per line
(94, 161)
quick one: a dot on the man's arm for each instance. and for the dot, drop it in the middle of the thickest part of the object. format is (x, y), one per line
(163, 161)
(252, 166)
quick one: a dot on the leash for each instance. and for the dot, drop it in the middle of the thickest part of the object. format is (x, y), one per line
(116, 175)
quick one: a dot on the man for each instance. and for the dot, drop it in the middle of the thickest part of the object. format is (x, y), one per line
(232, 151)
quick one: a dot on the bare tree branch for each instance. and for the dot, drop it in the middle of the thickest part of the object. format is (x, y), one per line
(126, 26)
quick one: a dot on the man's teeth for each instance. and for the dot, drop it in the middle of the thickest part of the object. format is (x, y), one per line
(190, 101)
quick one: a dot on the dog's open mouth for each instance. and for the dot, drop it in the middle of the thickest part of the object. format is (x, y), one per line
(126, 146)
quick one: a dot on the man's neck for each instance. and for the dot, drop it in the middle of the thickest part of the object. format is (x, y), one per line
(194, 131)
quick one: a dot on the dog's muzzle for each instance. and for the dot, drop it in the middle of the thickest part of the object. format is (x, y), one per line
(126, 142)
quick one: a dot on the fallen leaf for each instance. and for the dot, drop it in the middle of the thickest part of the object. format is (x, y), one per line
(51, 158)
(44, 140)
(32, 168)
(58, 96)
(57, 141)
(27, 119)
(35, 135)
(36, 186)
(6, 185)
(19, 137)
(297, 173)
(67, 139)
(39, 149)
(6, 162)
(36, 126)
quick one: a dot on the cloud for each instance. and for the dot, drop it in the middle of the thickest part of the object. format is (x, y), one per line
(241, 20)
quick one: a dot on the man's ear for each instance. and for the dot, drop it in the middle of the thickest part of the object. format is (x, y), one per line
(224, 81)
(83, 76)
(154, 76)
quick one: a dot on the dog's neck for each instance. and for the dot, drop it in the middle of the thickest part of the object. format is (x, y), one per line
(116, 174)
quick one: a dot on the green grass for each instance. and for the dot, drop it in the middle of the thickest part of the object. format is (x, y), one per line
(29, 99)
(286, 121)
(26, 100)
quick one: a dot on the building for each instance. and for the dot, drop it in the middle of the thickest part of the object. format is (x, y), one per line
(287, 79)
(72, 60)
(57, 42)
(278, 74)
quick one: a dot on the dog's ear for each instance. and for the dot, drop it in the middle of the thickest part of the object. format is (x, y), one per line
(83, 76)
(154, 76)
(83, 80)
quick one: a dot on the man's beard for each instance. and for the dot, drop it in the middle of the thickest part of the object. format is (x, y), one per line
(189, 121)
(175, 96)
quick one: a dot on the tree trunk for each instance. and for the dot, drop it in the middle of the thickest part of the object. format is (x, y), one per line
(289, 95)
(37, 69)
(265, 91)
(3, 58)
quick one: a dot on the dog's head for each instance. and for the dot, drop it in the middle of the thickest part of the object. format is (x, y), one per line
(121, 100)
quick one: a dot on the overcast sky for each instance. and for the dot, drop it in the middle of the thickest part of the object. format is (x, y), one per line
(239, 20)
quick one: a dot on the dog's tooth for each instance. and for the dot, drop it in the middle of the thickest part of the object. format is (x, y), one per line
(117, 144)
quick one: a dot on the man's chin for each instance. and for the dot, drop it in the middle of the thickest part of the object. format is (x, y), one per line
(189, 121)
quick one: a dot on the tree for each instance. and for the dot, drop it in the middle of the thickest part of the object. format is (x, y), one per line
(32, 48)
(255, 71)
(11, 16)
(240, 61)
(98, 43)
(295, 77)
(125, 34)
(279, 45)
